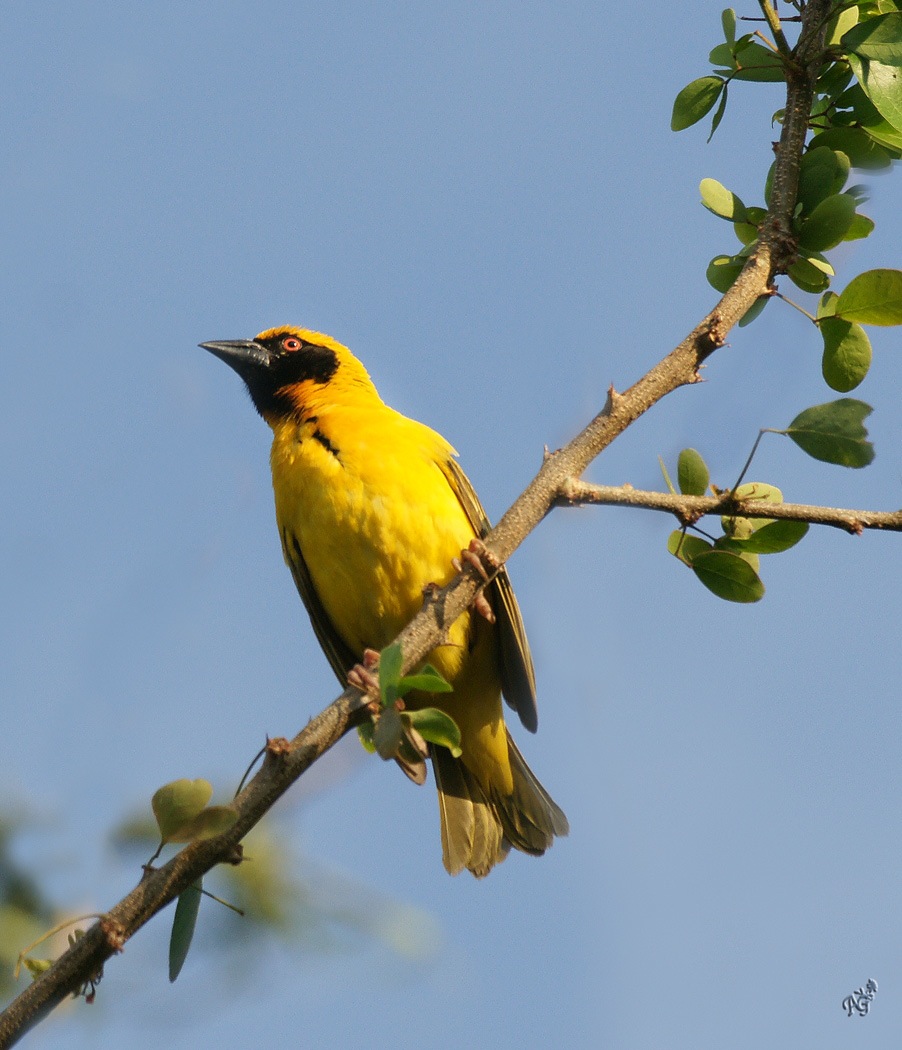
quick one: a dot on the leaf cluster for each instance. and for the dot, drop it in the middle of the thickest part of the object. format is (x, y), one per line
(403, 734)
(856, 122)
(729, 565)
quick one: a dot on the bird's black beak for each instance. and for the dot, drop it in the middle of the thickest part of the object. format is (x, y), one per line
(241, 354)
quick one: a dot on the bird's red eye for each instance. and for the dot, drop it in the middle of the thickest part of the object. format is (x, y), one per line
(291, 343)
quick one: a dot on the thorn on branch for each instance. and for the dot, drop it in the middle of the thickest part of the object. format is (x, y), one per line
(613, 400)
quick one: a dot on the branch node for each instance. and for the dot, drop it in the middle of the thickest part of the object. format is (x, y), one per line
(235, 856)
(278, 747)
(113, 933)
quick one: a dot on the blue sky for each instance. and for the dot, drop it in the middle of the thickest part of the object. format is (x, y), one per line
(486, 204)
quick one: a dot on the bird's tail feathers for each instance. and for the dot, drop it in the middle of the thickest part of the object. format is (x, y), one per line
(479, 825)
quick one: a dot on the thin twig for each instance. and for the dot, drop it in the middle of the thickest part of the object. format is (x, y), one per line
(773, 20)
(689, 509)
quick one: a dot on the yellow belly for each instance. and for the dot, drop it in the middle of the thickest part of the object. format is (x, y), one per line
(376, 522)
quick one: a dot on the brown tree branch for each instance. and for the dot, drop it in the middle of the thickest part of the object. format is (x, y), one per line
(286, 761)
(688, 509)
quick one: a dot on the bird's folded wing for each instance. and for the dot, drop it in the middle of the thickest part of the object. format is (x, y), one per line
(518, 682)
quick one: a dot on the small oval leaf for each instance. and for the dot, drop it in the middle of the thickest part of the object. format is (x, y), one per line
(365, 732)
(428, 680)
(822, 172)
(721, 201)
(873, 297)
(828, 224)
(758, 64)
(728, 576)
(436, 727)
(759, 490)
(754, 310)
(776, 537)
(179, 802)
(847, 353)
(692, 473)
(834, 432)
(390, 660)
(389, 733)
(694, 101)
(722, 272)
(207, 824)
(685, 547)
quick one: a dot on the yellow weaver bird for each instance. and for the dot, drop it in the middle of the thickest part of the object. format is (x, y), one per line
(371, 507)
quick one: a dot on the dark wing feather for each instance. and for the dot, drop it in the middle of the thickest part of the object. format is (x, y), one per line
(340, 656)
(518, 681)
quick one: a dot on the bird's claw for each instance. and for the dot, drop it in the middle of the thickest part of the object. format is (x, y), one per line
(485, 563)
(362, 676)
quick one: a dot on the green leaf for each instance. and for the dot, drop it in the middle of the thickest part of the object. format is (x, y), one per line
(861, 227)
(721, 55)
(722, 272)
(860, 148)
(388, 733)
(728, 21)
(759, 490)
(365, 732)
(692, 473)
(841, 24)
(822, 172)
(728, 576)
(207, 824)
(36, 966)
(759, 64)
(721, 201)
(774, 537)
(390, 661)
(873, 297)
(827, 305)
(829, 223)
(834, 78)
(754, 310)
(428, 680)
(847, 353)
(178, 803)
(883, 86)
(685, 547)
(807, 276)
(877, 39)
(746, 232)
(694, 101)
(667, 480)
(436, 727)
(183, 927)
(737, 546)
(719, 112)
(834, 432)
